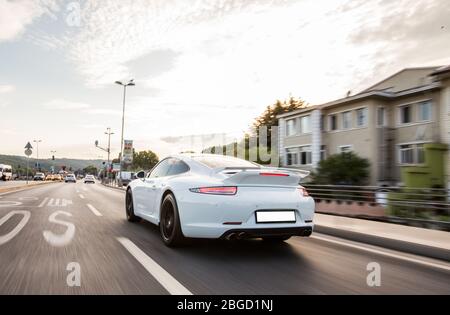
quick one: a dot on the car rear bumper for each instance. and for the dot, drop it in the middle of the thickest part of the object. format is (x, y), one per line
(304, 231)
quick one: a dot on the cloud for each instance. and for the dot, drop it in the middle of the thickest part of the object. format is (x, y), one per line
(6, 89)
(60, 104)
(16, 15)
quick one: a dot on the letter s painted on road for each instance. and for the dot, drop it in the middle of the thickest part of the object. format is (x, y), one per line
(63, 239)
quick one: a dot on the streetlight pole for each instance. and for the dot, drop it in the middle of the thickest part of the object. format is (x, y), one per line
(125, 85)
(37, 152)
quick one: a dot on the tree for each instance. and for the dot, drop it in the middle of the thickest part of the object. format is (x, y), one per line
(269, 117)
(144, 160)
(343, 169)
(92, 170)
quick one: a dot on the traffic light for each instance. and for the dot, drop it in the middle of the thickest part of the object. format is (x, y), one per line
(53, 158)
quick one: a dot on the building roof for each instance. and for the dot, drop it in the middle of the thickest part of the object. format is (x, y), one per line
(417, 75)
(441, 70)
(383, 89)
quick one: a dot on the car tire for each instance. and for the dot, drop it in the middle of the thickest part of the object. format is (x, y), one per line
(169, 225)
(276, 239)
(129, 208)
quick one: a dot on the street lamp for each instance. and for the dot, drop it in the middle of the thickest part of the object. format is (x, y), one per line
(37, 152)
(125, 85)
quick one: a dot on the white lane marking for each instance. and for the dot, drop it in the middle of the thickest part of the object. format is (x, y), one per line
(43, 202)
(81, 196)
(162, 276)
(26, 216)
(63, 239)
(50, 202)
(94, 211)
(57, 202)
(10, 203)
(380, 252)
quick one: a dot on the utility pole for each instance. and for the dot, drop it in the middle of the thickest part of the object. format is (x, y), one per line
(37, 152)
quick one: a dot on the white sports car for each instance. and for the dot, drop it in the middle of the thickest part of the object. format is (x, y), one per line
(214, 196)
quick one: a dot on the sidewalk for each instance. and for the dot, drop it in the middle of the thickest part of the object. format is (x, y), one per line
(431, 243)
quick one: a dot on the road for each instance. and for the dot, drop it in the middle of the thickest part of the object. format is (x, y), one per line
(117, 257)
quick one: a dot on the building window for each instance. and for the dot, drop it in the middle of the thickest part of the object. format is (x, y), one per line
(292, 157)
(412, 154)
(333, 123)
(347, 120)
(361, 117)
(323, 153)
(424, 111)
(305, 124)
(291, 127)
(381, 117)
(405, 114)
(322, 123)
(299, 156)
(305, 155)
(345, 148)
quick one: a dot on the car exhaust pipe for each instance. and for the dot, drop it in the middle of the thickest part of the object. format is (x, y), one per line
(241, 235)
(231, 237)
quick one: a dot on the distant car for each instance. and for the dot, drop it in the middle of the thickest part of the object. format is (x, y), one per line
(49, 177)
(5, 172)
(212, 196)
(124, 178)
(89, 179)
(39, 177)
(57, 177)
(70, 178)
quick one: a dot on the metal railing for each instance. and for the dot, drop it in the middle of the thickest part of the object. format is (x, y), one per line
(425, 204)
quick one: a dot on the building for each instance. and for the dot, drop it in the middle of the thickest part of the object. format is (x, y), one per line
(390, 123)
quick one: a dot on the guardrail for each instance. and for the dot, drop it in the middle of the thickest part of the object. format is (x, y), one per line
(415, 206)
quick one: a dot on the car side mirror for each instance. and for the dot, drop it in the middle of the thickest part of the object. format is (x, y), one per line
(140, 175)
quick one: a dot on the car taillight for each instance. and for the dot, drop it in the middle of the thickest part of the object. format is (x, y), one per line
(304, 192)
(274, 174)
(215, 190)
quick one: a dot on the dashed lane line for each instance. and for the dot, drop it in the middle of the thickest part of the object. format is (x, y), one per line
(160, 274)
(94, 211)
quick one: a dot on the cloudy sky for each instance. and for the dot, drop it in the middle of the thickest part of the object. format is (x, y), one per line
(201, 66)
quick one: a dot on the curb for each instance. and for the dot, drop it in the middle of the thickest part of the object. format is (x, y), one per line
(113, 187)
(403, 246)
(22, 188)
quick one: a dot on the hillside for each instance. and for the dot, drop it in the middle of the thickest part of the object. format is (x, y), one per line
(75, 164)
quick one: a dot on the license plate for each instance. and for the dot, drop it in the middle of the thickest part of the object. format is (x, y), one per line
(275, 217)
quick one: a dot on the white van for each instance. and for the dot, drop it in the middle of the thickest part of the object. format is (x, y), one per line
(5, 172)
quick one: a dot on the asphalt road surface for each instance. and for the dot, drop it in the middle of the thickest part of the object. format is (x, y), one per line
(74, 239)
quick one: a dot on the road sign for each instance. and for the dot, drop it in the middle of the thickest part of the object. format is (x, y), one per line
(128, 151)
(28, 146)
(28, 152)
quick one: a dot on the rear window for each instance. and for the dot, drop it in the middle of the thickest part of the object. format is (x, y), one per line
(224, 161)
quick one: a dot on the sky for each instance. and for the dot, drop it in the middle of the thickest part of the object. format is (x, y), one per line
(201, 67)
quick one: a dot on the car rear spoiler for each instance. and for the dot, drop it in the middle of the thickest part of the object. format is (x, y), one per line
(262, 176)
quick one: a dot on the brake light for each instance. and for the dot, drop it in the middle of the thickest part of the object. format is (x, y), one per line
(215, 190)
(274, 174)
(304, 192)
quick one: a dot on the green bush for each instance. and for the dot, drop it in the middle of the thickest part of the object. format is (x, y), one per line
(342, 169)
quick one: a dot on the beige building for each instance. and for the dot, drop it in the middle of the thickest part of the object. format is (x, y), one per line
(388, 123)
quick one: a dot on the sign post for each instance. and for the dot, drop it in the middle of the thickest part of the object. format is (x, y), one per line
(28, 153)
